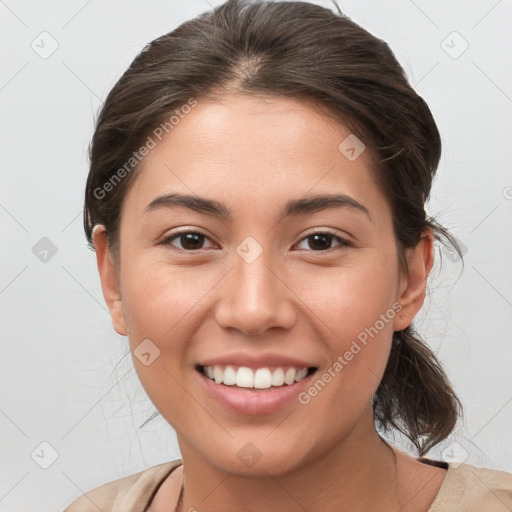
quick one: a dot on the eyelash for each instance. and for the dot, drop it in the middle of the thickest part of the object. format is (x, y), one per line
(342, 241)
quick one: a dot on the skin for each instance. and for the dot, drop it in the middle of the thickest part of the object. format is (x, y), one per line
(253, 155)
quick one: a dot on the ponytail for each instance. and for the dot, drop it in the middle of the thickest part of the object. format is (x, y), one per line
(415, 396)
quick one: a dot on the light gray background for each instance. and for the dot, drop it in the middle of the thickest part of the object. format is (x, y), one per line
(66, 378)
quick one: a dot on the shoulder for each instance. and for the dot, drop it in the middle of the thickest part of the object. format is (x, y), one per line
(124, 494)
(469, 488)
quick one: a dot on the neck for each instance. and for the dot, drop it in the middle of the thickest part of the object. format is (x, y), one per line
(338, 479)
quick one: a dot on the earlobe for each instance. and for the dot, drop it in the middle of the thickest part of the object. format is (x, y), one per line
(420, 260)
(109, 280)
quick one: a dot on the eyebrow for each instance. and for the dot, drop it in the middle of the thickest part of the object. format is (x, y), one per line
(294, 207)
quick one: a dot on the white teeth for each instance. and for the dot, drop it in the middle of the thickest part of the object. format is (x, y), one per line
(262, 378)
(289, 376)
(301, 374)
(278, 377)
(244, 377)
(218, 374)
(229, 376)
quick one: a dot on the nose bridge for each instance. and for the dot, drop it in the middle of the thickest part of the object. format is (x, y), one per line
(253, 298)
(255, 281)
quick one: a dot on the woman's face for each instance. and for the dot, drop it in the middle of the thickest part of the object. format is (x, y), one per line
(262, 282)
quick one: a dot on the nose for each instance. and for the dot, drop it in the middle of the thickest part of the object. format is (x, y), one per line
(255, 298)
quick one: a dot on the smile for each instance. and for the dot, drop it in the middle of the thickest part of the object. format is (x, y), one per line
(257, 378)
(255, 390)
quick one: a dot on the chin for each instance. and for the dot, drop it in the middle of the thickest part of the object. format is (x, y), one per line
(258, 457)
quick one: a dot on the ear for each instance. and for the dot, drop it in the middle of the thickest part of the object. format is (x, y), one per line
(412, 289)
(109, 279)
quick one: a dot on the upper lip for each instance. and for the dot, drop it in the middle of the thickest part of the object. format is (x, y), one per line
(256, 361)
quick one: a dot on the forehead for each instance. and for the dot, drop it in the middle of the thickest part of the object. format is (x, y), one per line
(258, 126)
(256, 148)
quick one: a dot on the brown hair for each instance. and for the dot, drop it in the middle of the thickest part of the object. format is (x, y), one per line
(305, 51)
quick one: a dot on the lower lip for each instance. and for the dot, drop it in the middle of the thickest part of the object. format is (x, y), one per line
(254, 402)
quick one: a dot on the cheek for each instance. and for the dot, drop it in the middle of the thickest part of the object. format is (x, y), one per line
(161, 303)
(356, 307)
(159, 299)
(350, 300)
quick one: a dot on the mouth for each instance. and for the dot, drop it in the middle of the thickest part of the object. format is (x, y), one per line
(256, 379)
(254, 391)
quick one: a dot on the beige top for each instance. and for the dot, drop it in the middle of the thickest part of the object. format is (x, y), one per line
(465, 488)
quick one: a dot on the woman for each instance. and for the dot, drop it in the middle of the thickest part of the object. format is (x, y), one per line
(224, 155)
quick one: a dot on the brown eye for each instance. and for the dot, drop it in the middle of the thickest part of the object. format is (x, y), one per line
(188, 240)
(322, 241)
